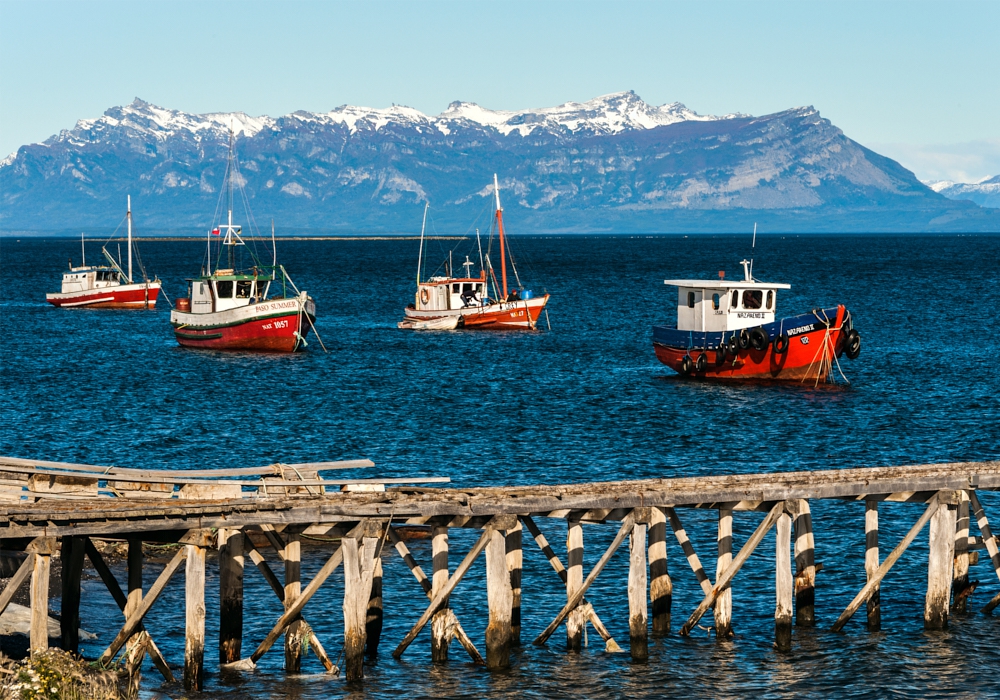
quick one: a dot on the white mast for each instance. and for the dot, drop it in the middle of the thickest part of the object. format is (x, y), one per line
(129, 238)
(83, 250)
(420, 256)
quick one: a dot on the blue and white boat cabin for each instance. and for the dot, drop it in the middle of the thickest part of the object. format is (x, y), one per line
(720, 305)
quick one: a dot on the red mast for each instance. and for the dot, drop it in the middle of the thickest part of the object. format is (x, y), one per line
(503, 259)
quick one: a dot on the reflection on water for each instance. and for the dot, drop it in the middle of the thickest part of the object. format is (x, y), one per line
(586, 401)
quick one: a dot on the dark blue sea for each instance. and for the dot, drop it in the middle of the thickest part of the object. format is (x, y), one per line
(586, 400)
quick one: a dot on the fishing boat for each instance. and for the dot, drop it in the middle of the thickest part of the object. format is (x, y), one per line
(729, 330)
(238, 302)
(108, 286)
(468, 298)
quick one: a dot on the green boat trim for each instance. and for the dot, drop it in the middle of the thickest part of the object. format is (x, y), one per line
(188, 336)
(253, 319)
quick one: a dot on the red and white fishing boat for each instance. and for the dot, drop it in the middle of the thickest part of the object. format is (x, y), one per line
(728, 330)
(446, 302)
(106, 286)
(230, 305)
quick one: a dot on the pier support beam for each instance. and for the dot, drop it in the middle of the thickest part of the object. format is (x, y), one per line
(515, 560)
(960, 586)
(231, 561)
(805, 565)
(43, 547)
(724, 600)
(500, 597)
(783, 582)
(440, 633)
(194, 636)
(637, 580)
(871, 565)
(373, 619)
(359, 573)
(577, 619)
(660, 586)
(72, 569)
(991, 545)
(293, 589)
(940, 561)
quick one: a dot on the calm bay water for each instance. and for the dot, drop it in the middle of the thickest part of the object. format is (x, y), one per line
(584, 401)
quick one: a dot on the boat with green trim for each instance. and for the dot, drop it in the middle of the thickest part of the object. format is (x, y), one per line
(230, 304)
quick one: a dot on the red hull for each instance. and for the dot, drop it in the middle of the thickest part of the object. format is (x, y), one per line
(512, 318)
(108, 298)
(272, 334)
(810, 357)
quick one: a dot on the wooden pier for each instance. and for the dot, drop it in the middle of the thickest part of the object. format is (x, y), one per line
(48, 508)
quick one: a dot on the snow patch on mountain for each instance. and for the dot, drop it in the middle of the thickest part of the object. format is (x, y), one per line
(985, 192)
(162, 123)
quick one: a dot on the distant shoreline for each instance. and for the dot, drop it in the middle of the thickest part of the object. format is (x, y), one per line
(176, 239)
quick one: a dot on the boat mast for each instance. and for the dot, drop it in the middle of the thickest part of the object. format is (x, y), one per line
(420, 256)
(83, 251)
(129, 216)
(503, 259)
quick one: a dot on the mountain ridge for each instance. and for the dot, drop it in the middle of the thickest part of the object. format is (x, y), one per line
(613, 162)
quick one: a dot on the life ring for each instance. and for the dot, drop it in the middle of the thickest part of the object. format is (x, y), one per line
(744, 339)
(852, 344)
(701, 364)
(758, 339)
(781, 344)
(425, 296)
(687, 364)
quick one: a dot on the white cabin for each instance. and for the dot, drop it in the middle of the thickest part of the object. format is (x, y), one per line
(445, 293)
(720, 305)
(83, 279)
(231, 292)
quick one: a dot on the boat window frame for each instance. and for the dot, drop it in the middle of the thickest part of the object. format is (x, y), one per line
(218, 294)
(716, 301)
(246, 285)
(770, 300)
(691, 299)
(755, 296)
(735, 302)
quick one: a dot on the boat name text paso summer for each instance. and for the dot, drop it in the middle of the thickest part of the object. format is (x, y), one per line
(276, 305)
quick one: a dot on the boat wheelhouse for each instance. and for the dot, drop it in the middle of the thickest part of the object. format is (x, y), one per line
(230, 305)
(468, 298)
(110, 286)
(731, 330)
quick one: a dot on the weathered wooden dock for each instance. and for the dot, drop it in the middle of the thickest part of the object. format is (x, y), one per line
(48, 508)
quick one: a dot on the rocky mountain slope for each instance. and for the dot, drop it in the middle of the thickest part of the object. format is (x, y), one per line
(985, 193)
(614, 163)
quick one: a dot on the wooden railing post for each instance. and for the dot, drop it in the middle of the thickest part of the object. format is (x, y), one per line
(515, 559)
(724, 601)
(72, 569)
(940, 562)
(194, 644)
(359, 573)
(574, 581)
(440, 637)
(805, 566)
(500, 598)
(231, 563)
(38, 637)
(660, 586)
(637, 580)
(293, 589)
(960, 578)
(783, 582)
(874, 604)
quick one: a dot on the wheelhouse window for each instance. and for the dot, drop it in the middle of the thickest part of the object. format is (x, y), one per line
(770, 300)
(752, 298)
(736, 299)
(243, 288)
(455, 288)
(715, 301)
(690, 300)
(224, 289)
(261, 288)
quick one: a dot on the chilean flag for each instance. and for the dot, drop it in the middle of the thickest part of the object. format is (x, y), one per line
(216, 231)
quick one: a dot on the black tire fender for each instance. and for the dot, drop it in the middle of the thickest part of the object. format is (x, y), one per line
(687, 364)
(758, 339)
(852, 344)
(701, 364)
(744, 339)
(781, 343)
(733, 346)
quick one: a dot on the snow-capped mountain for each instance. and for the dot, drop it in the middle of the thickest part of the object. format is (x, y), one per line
(611, 163)
(985, 193)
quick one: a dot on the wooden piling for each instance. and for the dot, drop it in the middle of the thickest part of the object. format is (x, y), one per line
(38, 637)
(783, 582)
(724, 600)
(359, 573)
(231, 562)
(194, 636)
(515, 558)
(960, 587)
(72, 554)
(133, 580)
(805, 566)
(940, 562)
(574, 581)
(373, 618)
(660, 585)
(871, 565)
(500, 598)
(637, 621)
(440, 637)
(293, 589)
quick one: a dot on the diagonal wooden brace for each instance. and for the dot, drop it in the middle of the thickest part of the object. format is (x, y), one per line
(115, 589)
(453, 581)
(132, 623)
(991, 545)
(883, 569)
(689, 553)
(574, 601)
(22, 574)
(422, 579)
(727, 576)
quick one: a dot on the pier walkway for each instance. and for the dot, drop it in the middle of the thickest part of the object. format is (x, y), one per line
(49, 508)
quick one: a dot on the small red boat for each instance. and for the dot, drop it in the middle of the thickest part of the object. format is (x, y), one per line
(728, 330)
(106, 286)
(467, 299)
(229, 306)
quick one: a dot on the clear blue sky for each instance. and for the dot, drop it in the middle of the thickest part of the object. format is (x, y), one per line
(918, 81)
